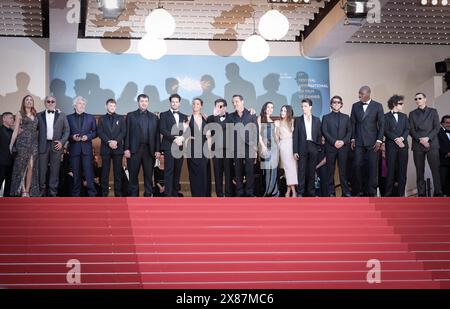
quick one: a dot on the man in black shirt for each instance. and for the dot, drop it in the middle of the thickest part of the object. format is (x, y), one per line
(6, 158)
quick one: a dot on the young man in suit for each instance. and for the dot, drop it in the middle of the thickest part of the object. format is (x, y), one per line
(223, 165)
(171, 129)
(53, 134)
(367, 118)
(142, 143)
(111, 129)
(337, 130)
(6, 158)
(245, 137)
(83, 130)
(424, 127)
(396, 130)
(307, 139)
(444, 151)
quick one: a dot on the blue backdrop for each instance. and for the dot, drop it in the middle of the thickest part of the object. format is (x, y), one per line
(99, 76)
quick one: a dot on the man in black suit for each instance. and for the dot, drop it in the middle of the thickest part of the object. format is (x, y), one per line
(142, 143)
(444, 151)
(307, 139)
(337, 130)
(223, 164)
(396, 130)
(245, 137)
(171, 129)
(111, 129)
(83, 129)
(53, 134)
(367, 118)
(6, 158)
(424, 127)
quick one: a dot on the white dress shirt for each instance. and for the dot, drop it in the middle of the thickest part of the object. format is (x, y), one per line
(176, 116)
(50, 118)
(366, 106)
(308, 127)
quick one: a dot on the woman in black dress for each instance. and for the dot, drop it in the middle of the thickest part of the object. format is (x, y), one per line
(196, 143)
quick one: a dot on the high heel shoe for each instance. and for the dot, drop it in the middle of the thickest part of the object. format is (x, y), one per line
(25, 194)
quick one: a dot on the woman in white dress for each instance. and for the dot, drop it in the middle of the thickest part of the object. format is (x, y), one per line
(283, 130)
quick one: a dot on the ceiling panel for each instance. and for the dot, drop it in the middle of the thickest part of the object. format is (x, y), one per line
(23, 18)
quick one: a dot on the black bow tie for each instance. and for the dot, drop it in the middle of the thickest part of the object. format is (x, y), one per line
(447, 131)
(395, 113)
(365, 103)
(175, 112)
(50, 112)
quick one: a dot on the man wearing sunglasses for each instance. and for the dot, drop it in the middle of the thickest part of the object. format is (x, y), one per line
(396, 130)
(53, 134)
(424, 128)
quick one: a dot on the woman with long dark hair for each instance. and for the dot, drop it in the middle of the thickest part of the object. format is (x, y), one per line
(283, 129)
(268, 150)
(25, 180)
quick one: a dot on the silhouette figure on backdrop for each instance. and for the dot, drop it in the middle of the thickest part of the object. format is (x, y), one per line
(172, 85)
(97, 95)
(127, 98)
(12, 100)
(271, 84)
(239, 85)
(208, 84)
(81, 88)
(305, 91)
(58, 90)
(154, 99)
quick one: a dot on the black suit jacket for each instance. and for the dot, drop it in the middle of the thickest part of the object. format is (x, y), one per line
(367, 127)
(444, 147)
(299, 137)
(115, 131)
(133, 132)
(223, 125)
(330, 128)
(5, 139)
(424, 123)
(394, 129)
(167, 121)
(250, 138)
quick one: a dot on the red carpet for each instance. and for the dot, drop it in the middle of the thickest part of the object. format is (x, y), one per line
(243, 243)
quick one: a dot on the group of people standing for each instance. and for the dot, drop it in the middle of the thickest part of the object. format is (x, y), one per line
(32, 144)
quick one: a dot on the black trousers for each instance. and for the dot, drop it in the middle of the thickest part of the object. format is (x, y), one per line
(370, 172)
(245, 165)
(117, 169)
(49, 165)
(198, 176)
(5, 175)
(143, 158)
(306, 170)
(397, 165)
(445, 179)
(432, 156)
(172, 173)
(86, 162)
(341, 155)
(223, 168)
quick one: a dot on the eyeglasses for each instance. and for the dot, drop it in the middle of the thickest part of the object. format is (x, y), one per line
(51, 101)
(415, 99)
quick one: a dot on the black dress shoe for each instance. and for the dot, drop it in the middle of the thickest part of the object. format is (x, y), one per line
(332, 195)
(347, 195)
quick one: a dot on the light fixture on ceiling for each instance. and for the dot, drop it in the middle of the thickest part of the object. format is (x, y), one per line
(273, 25)
(292, 1)
(160, 23)
(255, 48)
(112, 8)
(434, 2)
(152, 48)
(356, 9)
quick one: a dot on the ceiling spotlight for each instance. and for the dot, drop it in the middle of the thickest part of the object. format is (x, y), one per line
(434, 2)
(356, 9)
(306, 1)
(444, 2)
(423, 2)
(112, 8)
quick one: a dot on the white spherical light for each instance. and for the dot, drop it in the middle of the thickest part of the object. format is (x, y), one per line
(152, 48)
(160, 23)
(255, 49)
(273, 25)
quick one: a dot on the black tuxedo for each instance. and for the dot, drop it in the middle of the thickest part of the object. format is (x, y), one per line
(6, 159)
(396, 157)
(425, 123)
(111, 128)
(142, 139)
(367, 128)
(172, 165)
(444, 151)
(337, 126)
(308, 151)
(223, 164)
(245, 146)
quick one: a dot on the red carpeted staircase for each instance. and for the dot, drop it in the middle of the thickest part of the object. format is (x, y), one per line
(191, 243)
